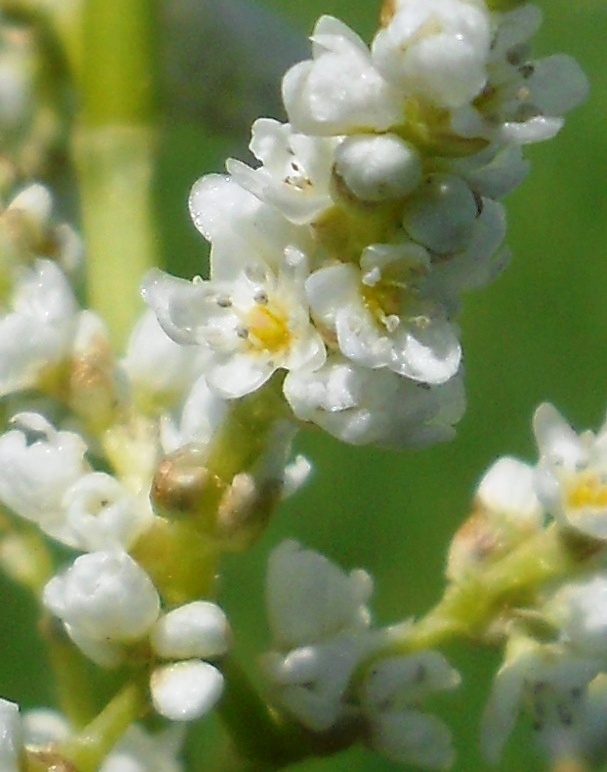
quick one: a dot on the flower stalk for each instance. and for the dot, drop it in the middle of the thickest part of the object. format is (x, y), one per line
(114, 147)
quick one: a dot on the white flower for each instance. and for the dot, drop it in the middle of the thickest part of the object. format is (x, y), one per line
(105, 599)
(523, 100)
(316, 670)
(38, 464)
(101, 514)
(441, 214)
(197, 630)
(43, 726)
(580, 611)
(378, 167)
(311, 681)
(319, 624)
(378, 317)
(507, 490)
(551, 682)
(392, 695)
(295, 173)
(478, 264)
(253, 325)
(435, 50)
(239, 226)
(340, 90)
(187, 690)
(360, 406)
(309, 599)
(572, 473)
(39, 328)
(27, 232)
(10, 736)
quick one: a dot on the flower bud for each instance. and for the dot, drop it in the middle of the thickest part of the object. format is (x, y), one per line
(105, 596)
(245, 509)
(196, 630)
(378, 167)
(186, 690)
(441, 215)
(182, 484)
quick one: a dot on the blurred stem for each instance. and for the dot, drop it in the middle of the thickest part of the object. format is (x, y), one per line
(252, 726)
(88, 748)
(71, 674)
(114, 147)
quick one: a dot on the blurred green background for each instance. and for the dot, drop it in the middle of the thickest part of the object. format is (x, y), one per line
(539, 333)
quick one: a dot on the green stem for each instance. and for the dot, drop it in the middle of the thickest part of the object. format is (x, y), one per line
(469, 607)
(88, 748)
(114, 147)
(72, 675)
(251, 724)
(243, 435)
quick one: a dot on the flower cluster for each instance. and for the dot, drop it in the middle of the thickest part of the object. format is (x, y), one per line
(555, 665)
(326, 668)
(342, 256)
(338, 263)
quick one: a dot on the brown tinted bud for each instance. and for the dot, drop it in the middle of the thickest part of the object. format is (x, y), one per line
(183, 486)
(475, 542)
(245, 509)
(93, 389)
(387, 12)
(52, 760)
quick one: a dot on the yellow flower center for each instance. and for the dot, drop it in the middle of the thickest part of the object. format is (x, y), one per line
(587, 490)
(268, 328)
(383, 299)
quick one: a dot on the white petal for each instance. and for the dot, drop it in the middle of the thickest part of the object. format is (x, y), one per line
(186, 690)
(104, 595)
(309, 598)
(197, 630)
(10, 736)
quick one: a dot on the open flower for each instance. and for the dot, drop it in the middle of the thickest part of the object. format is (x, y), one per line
(252, 326)
(572, 473)
(378, 316)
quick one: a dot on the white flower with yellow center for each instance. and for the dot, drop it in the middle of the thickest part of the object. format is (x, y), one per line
(378, 317)
(571, 477)
(253, 326)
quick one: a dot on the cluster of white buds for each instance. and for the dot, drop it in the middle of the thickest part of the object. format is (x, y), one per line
(38, 730)
(324, 667)
(555, 666)
(341, 258)
(107, 602)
